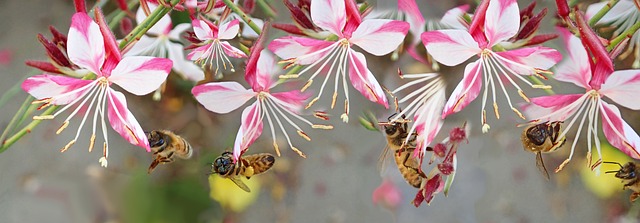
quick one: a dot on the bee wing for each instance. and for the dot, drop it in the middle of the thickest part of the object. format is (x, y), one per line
(240, 184)
(540, 165)
(382, 160)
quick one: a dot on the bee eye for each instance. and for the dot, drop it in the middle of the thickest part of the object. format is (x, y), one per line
(632, 174)
(158, 143)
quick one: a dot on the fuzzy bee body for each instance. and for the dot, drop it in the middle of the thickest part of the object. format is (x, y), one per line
(629, 174)
(246, 166)
(166, 146)
(409, 167)
(542, 138)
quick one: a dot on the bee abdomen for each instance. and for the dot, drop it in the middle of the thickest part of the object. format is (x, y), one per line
(260, 162)
(411, 176)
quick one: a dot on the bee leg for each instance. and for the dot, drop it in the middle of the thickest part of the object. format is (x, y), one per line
(406, 158)
(634, 181)
(634, 196)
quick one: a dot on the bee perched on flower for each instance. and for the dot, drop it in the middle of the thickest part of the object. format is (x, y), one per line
(92, 48)
(336, 57)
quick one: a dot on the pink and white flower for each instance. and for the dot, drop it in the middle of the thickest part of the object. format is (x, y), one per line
(210, 43)
(495, 21)
(598, 79)
(337, 59)
(623, 16)
(90, 48)
(224, 97)
(162, 40)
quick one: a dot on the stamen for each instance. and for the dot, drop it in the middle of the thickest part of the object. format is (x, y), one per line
(595, 165)
(43, 117)
(588, 158)
(523, 96)
(325, 127)
(518, 113)
(299, 152)
(92, 142)
(495, 110)
(540, 86)
(304, 88)
(333, 99)
(321, 115)
(311, 103)
(559, 168)
(44, 100)
(275, 146)
(303, 135)
(64, 125)
(289, 76)
(68, 146)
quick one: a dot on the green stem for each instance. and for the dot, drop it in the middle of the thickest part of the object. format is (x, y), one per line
(116, 16)
(243, 15)
(268, 11)
(27, 129)
(145, 25)
(621, 37)
(14, 120)
(603, 11)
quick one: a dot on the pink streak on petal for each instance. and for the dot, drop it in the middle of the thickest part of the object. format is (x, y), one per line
(232, 51)
(379, 36)
(618, 132)
(289, 47)
(533, 57)
(261, 77)
(229, 30)
(202, 30)
(200, 52)
(450, 47)
(554, 107)
(141, 75)
(251, 127)
(428, 119)
(502, 20)
(623, 87)
(85, 43)
(52, 86)
(222, 97)
(555, 101)
(363, 80)
(295, 100)
(123, 122)
(466, 91)
(413, 16)
(329, 15)
(576, 68)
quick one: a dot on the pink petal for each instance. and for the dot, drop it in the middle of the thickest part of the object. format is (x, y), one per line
(53, 86)
(379, 36)
(289, 47)
(85, 46)
(250, 129)
(428, 120)
(533, 57)
(576, 69)
(363, 80)
(450, 47)
(292, 100)
(555, 101)
(200, 52)
(618, 132)
(553, 107)
(123, 121)
(413, 16)
(222, 97)
(202, 30)
(502, 20)
(161, 27)
(453, 17)
(623, 87)
(466, 91)
(141, 75)
(260, 77)
(232, 51)
(329, 15)
(229, 30)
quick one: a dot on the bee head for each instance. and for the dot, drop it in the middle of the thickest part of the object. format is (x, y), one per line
(628, 171)
(538, 133)
(223, 164)
(155, 138)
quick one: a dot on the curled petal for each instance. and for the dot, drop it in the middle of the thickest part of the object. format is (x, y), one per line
(250, 129)
(466, 91)
(618, 132)
(329, 15)
(124, 122)
(202, 30)
(576, 68)
(229, 30)
(414, 17)
(259, 76)
(87, 50)
(502, 20)
(53, 86)
(379, 36)
(222, 97)
(531, 58)
(141, 75)
(363, 80)
(623, 87)
(450, 47)
(290, 47)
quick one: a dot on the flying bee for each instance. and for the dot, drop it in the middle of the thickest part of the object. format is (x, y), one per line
(247, 166)
(542, 138)
(397, 133)
(165, 146)
(629, 175)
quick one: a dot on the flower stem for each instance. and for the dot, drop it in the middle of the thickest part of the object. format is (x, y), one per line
(622, 36)
(27, 129)
(266, 8)
(116, 16)
(14, 120)
(243, 15)
(145, 25)
(603, 11)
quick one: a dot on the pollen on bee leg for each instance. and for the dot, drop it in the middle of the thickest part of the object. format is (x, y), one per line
(62, 127)
(311, 103)
(495, 110)
(518, 113)
(66, 147)
(304, 135)
(275, 146)
(326, 127)
(559, 168)
(92, 141)
(43, 117)
(299, 152)
(306, 85)
(524, 96)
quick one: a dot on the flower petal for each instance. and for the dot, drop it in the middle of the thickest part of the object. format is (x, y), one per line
(414, 18)
(229, 30)
(623, 87)
(222, 97)
(466, 91)
(202, 30)
(86, 48)
(123, 121)
(553, 107)
(141, 75)
(502, 20)
(184, 67)
(57, 87)
(379, 36)
(292, 100)
(363, 80)
(161, 27)
(576, 69)
(621, 10)
(329, 15)
(250, 129)
(450, 47)
(618, 132)
(529, 59)
(453, 17)
(175, 33)
(290, 47)
(428, 120)
(232, 51)
(259, 75)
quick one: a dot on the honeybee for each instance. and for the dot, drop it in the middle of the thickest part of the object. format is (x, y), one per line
(247, 166)
(542, 138)
(629, 175)
(165, 146)
(396, 133)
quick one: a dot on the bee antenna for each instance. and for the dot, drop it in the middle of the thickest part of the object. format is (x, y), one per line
(612, 171)
(613, 163)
